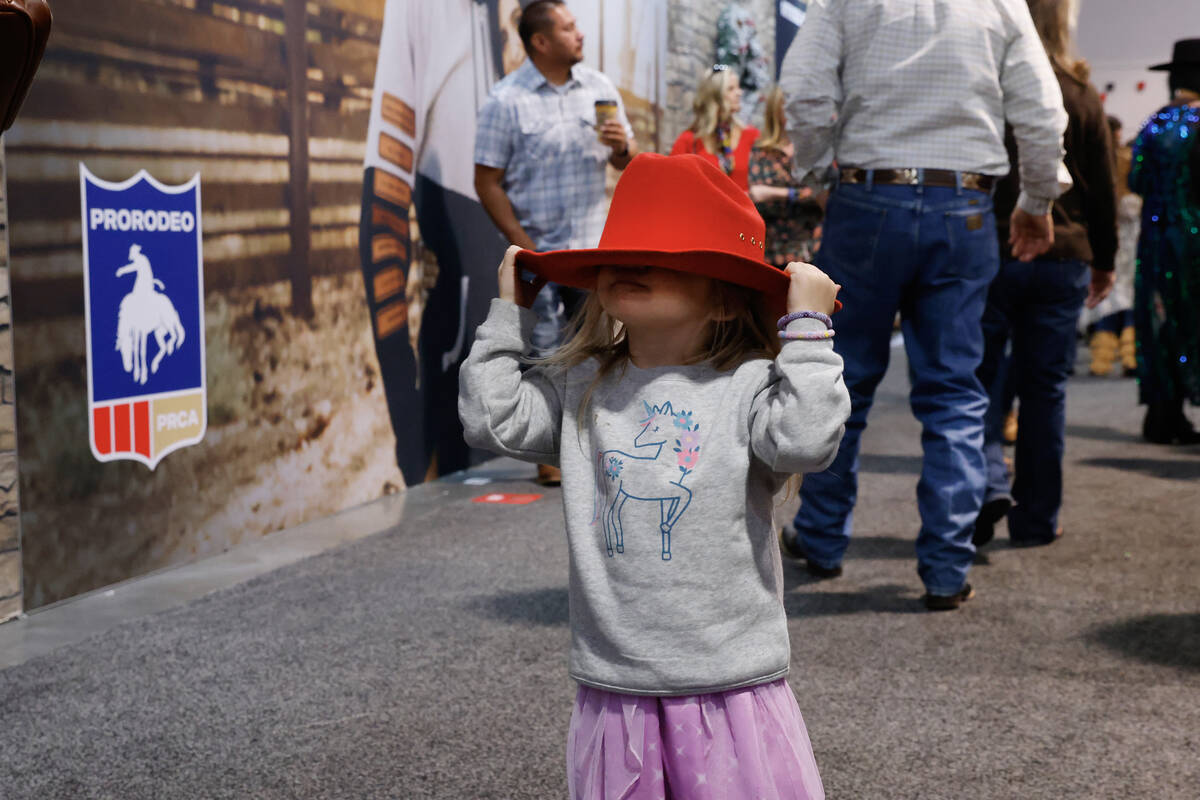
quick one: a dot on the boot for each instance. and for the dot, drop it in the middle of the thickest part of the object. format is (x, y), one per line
(1104, 351)
(1181, 427)
(548, 475)
(1129, 351)
(1165, 423)
(1154, 427)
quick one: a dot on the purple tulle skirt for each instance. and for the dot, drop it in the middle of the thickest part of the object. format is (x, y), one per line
(744, 744)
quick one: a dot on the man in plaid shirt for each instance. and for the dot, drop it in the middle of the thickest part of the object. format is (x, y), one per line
(539, 155)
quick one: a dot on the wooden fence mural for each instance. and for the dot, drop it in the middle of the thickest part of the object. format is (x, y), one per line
(267, 99)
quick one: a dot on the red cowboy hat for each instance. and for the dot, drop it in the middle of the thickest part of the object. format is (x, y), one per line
(677, 212)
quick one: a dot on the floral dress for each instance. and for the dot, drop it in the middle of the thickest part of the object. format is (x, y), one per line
(791, 227)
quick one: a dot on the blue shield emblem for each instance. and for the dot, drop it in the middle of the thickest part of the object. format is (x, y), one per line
(144, 306)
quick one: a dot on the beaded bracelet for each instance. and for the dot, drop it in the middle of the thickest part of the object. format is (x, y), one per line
(795, 315)
(807, 335)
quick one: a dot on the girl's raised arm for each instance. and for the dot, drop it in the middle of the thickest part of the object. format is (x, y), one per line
(502, 409)
(798, 416)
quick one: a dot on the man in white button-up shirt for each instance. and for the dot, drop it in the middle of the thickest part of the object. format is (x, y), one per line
(909, 99)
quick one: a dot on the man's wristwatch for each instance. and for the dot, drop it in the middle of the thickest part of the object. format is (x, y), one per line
(624, 152)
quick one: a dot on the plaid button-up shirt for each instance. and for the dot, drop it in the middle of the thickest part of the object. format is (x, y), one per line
(544, 138)
(886, 84)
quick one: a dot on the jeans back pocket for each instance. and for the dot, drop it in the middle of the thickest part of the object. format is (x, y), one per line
(972, 240)
(851, 235)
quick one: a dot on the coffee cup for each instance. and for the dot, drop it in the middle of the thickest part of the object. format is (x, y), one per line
(605, 110)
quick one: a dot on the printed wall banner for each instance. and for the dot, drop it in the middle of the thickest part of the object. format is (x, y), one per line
(279, 373)
(427, 247)
(143, 279)
(346, 262)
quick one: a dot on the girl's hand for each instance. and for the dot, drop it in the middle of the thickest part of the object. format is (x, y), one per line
(810, 289)
(512, 288)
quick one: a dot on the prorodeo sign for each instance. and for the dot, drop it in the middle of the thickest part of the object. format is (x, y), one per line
(140, 219)
(143, 279)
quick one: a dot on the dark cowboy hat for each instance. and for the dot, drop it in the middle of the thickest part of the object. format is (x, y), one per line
(1185, 54)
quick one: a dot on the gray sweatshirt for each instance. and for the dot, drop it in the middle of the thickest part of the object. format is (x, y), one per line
(676, 584)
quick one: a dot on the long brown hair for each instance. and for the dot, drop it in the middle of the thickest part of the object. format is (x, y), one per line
(774, 134)
(1053, 19)
(742, 331)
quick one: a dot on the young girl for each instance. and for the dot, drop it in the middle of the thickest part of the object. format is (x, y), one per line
(675, 416)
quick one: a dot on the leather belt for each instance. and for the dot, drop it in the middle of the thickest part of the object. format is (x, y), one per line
(912, 176)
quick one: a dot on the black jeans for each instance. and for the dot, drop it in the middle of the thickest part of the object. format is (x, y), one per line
(1037, 304)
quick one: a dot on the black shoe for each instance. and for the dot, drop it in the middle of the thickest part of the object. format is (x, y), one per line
(822, 573)
(790, 546)
(1036, 542)
(1165, 423)
(992, 512)
(941, 602)
(1154, 426)
(1183, 432)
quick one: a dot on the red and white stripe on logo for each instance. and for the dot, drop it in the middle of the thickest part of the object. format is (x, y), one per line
(122, 428)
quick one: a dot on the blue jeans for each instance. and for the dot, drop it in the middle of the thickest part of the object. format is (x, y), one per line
(1116, 321)
(1037, 304)
(929, 253)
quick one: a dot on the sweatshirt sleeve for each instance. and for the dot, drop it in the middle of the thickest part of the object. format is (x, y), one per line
(798, 416)
(503, 409)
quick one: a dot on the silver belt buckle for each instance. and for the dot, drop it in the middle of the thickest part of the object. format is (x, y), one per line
(910, 175)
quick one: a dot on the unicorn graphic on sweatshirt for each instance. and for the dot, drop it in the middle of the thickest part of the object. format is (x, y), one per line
(645, 475)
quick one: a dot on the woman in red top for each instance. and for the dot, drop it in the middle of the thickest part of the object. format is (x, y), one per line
(716, 133)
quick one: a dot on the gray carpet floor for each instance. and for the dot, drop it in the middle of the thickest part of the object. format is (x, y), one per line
(430, 661)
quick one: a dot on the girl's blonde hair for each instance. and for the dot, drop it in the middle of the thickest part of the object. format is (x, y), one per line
(709, 106)
(1053, 20)
(742, 331)
(774, 135)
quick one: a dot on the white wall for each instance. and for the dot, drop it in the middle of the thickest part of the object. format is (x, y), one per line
(1120, 38)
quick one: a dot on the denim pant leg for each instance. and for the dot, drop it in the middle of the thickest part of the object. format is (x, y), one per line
(1043, 351)
(943, 336)
(864, 331)
(826, 515)
(1116, 321)
(996, 376)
